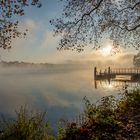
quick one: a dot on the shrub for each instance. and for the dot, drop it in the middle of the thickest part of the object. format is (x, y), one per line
(110, 119)
(27, 126)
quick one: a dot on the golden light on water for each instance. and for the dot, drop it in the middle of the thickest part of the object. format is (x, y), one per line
(110, 86)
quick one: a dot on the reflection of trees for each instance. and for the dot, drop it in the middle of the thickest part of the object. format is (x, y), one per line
(136, 60)
(117, 84)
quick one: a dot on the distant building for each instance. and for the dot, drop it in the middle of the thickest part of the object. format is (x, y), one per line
(136, 60)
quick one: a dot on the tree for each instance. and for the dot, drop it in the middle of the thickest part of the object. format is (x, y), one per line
(84, 22)
(136, 60)
(9, 11)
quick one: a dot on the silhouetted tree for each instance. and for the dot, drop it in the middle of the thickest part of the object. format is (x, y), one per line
(84, 22)
(9, 10)
(136, 60)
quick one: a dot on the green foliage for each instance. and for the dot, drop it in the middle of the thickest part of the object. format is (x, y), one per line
(110, 119)
(27, 126)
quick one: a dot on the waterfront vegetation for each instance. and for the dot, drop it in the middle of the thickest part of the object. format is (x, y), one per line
(112, 118)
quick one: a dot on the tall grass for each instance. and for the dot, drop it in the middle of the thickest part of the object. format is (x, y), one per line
(28, 125)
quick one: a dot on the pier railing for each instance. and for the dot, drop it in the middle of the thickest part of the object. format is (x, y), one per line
(125, 71)
(112, 72)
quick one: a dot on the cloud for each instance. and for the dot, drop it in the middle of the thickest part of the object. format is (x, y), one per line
(49, 45)
(49, 40)
(123, 59)
(41, 46)
(22, 48)
(32, 28)
(30, 24)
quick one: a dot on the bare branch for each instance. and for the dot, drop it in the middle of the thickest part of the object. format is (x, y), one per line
(132, 8)
(89, 21)
(132, 28)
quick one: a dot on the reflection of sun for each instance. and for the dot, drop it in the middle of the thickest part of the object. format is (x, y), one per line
(106, 50)
(110, 86)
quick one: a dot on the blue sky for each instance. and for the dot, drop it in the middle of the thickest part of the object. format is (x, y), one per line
(40, 45)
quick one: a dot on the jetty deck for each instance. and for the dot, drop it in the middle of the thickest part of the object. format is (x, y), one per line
(113, 72)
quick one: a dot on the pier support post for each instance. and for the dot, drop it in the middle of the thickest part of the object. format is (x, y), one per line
(108, 70)
(109, 76)
(95, 77)
(95, 73)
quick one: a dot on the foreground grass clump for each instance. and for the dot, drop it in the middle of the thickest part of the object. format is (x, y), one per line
(27, 126)
(110, 119)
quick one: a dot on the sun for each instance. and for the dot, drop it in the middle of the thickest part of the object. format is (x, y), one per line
(107, 50)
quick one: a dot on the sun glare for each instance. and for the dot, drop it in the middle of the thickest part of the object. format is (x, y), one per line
(106, 50)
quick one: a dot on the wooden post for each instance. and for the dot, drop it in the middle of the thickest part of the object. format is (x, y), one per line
(95, 73)
(109, 71)
(95, 77)
(95, 84)
(109, 76)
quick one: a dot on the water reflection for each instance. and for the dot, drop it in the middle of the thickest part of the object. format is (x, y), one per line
(58, 91)
(116, 84)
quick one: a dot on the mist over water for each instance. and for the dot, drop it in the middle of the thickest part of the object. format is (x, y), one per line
(57, 90)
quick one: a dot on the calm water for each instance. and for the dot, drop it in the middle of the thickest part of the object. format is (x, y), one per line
(58, 91)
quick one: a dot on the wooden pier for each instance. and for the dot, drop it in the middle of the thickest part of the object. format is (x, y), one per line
(113, 72)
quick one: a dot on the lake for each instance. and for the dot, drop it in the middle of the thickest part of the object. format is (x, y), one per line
(58, 91)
